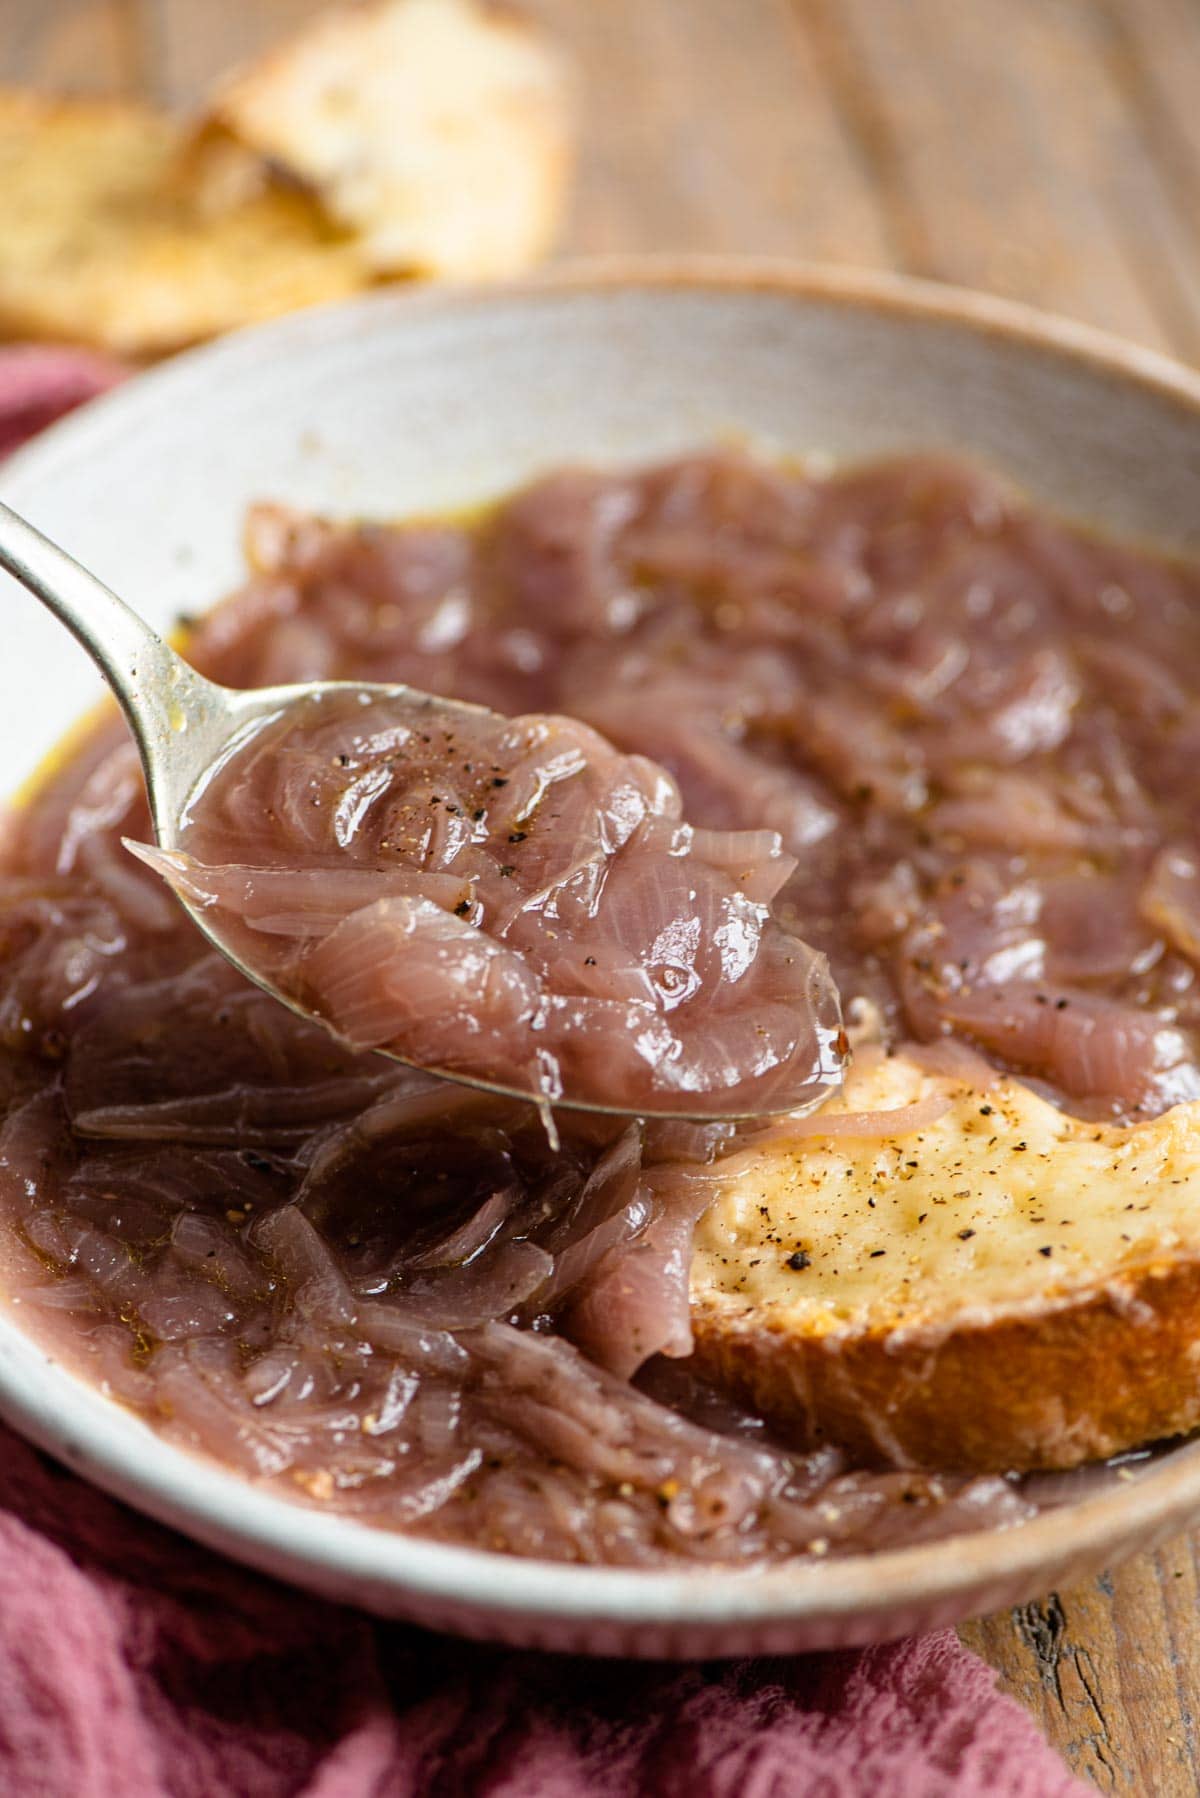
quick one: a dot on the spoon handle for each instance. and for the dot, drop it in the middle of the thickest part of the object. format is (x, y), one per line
(156, 689)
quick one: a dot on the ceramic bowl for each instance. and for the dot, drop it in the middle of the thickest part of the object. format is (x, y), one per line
(417, 402)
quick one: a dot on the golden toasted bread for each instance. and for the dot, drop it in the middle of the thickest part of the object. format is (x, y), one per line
(100, 244)
(434, 131)
(1001, 1286)
(417, 137)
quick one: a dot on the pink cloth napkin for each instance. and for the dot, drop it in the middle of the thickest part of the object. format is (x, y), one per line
(134, 1663)
(39, 382)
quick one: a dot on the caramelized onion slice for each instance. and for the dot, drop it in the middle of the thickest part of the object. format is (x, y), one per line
(511, 901)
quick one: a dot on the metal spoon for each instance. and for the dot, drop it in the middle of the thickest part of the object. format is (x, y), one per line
(185, 727)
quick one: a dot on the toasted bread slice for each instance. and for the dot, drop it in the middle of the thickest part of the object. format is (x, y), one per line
(100, 244)
(419, 137)
(1001, 1287)
(435, 131)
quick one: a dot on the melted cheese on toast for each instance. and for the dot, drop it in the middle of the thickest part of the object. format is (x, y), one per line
(953, 1294)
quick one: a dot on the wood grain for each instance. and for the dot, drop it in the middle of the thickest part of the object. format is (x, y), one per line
(1111, 1671)
(702, 134)
(1044, 149)
(194, 41)
(1154, 50)
(994, 119)
(90, 46)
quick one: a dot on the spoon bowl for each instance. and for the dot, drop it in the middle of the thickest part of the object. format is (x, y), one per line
(188, 729)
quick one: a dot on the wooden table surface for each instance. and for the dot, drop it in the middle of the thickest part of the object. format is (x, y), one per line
(1044, 149)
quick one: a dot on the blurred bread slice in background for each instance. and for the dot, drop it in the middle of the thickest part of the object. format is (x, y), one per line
(435, 131)
(411, 138)
(99, 246)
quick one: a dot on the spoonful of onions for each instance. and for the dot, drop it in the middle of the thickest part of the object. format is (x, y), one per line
(507, 902)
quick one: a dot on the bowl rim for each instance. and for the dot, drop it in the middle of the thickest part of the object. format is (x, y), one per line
(1104, 354)
(110, 1445)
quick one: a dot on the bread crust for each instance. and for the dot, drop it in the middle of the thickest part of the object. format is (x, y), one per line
(1052, 1387)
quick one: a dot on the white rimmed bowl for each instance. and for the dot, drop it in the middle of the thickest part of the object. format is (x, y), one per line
(416, 402)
